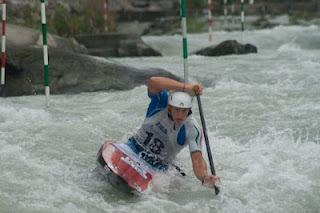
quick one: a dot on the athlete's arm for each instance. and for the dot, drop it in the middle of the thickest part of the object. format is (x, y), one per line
(200, 170)
(157, 84)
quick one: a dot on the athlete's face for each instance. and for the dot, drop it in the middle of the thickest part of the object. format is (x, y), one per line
(178, 114)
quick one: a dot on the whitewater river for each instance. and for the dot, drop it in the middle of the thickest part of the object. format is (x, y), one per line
(263, 118)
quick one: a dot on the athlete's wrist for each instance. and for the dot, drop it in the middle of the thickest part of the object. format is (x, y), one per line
(203, 179)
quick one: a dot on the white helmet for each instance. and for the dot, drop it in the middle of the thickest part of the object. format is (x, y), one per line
(180, 100)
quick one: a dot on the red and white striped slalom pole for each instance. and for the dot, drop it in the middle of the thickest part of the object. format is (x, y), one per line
(3, 48)
(105, 7)
(225, 13)
(210, 21)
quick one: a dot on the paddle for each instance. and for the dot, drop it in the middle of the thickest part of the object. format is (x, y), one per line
(181, 172)
(216, 189)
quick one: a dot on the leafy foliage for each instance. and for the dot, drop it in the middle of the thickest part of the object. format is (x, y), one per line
(60, 19)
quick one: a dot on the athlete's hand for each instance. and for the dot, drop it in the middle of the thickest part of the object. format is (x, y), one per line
(210, 181)
(194, 89)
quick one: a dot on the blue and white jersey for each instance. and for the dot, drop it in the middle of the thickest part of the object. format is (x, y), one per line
(161, 137)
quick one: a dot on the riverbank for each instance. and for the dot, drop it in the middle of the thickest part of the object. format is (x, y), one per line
(70, 18)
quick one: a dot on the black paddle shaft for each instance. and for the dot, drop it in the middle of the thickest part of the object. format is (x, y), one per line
(207, 142)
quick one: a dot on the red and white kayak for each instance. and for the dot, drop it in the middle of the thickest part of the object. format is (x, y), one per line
(125, 165)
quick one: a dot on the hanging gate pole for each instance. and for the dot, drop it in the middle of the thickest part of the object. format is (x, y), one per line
(225, 13)
(242, 19)
(210, 20)
(184, 39)
(105, 16)
(3, 44)
(45, 51)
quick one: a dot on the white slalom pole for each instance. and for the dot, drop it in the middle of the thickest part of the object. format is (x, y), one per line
(251, 2)
(3, 44)
(210, 20)
(45, 51)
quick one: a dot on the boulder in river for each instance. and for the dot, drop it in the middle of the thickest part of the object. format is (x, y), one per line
(116, 45)
(227, 47)
(71, 69)
(69, 72)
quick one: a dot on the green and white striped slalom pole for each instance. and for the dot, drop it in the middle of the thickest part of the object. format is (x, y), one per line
(210, 21)
(242, 19)
(184, 39)
(45, 51)
(3, 44)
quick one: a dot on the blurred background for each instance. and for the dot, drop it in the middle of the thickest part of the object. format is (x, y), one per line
(146, 17)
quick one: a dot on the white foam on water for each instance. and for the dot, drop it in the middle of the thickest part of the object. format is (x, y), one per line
(261, 112)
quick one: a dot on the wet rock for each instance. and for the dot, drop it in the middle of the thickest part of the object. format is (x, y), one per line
(227, 48)
(24, 36)
(71, 69)
(69, 73)
(116, 45)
